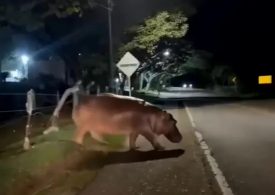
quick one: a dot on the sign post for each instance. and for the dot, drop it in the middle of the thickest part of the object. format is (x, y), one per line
(130, 90)
(128, 65)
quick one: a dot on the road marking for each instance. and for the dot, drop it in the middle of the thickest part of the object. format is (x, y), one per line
(225, 188)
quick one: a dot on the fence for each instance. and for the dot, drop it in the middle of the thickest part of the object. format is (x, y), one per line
(13, 105)
(15, 108)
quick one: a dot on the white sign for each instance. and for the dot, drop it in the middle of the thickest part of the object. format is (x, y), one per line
(128, 64)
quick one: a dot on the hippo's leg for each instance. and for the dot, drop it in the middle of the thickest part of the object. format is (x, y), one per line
(152, 138)
(79, 136)
(98, 137)
(132, 140)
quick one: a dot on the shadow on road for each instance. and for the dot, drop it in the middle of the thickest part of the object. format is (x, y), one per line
(97, 159)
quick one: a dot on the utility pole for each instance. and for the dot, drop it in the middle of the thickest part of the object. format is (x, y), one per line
(110, 10)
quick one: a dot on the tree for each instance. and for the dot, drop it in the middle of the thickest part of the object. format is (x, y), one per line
(164, 25)
(3, 76)
(223, 75)
(94, 68)
(23, 12)
(158, 69)
(31, 17)
(149, 40)
(186, 60)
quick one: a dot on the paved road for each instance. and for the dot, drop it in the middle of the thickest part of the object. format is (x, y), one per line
(242, 138)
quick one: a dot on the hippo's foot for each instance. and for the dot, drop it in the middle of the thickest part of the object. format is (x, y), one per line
(133, 148)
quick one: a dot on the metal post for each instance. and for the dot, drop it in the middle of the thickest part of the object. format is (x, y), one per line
(98, 89)
(30, 106)
(27, 71)
(130, 90)
(110, 9)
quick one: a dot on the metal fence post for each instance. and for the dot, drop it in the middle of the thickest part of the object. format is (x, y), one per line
(30, 106)
(98, 89)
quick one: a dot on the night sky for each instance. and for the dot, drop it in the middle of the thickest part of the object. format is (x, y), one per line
(239, 33)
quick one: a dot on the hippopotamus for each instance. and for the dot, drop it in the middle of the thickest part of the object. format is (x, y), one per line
(141, 101)
(111, 115)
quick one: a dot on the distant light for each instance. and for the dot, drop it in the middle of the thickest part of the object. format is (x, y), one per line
(25, 59)
(117, 80)
(184, 85)
(166, 53)
(190, 86)
(265, 80)
(234, 80)
(79, 54)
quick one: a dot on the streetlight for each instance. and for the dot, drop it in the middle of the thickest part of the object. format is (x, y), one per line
(117, 85)
(166, 53)
(25, 60)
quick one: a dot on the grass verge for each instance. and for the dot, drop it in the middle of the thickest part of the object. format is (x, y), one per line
(53, 166)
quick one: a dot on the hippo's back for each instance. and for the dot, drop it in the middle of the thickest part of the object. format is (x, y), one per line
(106, 113)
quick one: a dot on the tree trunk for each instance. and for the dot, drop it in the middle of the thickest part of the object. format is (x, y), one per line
(141, 80)
(152, 76)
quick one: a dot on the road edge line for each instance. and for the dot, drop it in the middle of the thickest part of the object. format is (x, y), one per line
(218, 174)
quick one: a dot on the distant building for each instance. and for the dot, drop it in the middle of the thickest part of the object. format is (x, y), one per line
(30, 59)
(53, 66)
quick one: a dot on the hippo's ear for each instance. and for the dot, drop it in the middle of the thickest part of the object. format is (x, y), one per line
(172, 118)
(166, 116)
(169, 117)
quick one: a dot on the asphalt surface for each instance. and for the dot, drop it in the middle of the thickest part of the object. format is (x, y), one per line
(242, 138)
(179, 169)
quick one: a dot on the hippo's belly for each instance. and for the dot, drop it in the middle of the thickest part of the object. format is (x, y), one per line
(118, 123)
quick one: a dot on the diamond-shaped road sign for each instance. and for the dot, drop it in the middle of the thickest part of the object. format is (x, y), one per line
(128, 64)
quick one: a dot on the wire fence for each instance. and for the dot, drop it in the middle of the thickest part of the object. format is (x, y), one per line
(39, 111)
(24, 110)
(24, 115)
(43, 101)
(13, 105)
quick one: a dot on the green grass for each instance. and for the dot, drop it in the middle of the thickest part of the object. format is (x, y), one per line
(23, 166)
(19, 168)
(115, 141)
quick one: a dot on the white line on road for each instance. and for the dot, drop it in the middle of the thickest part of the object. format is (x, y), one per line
(225, 188)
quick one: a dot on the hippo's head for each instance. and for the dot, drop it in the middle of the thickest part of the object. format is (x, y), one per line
(166, 125)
